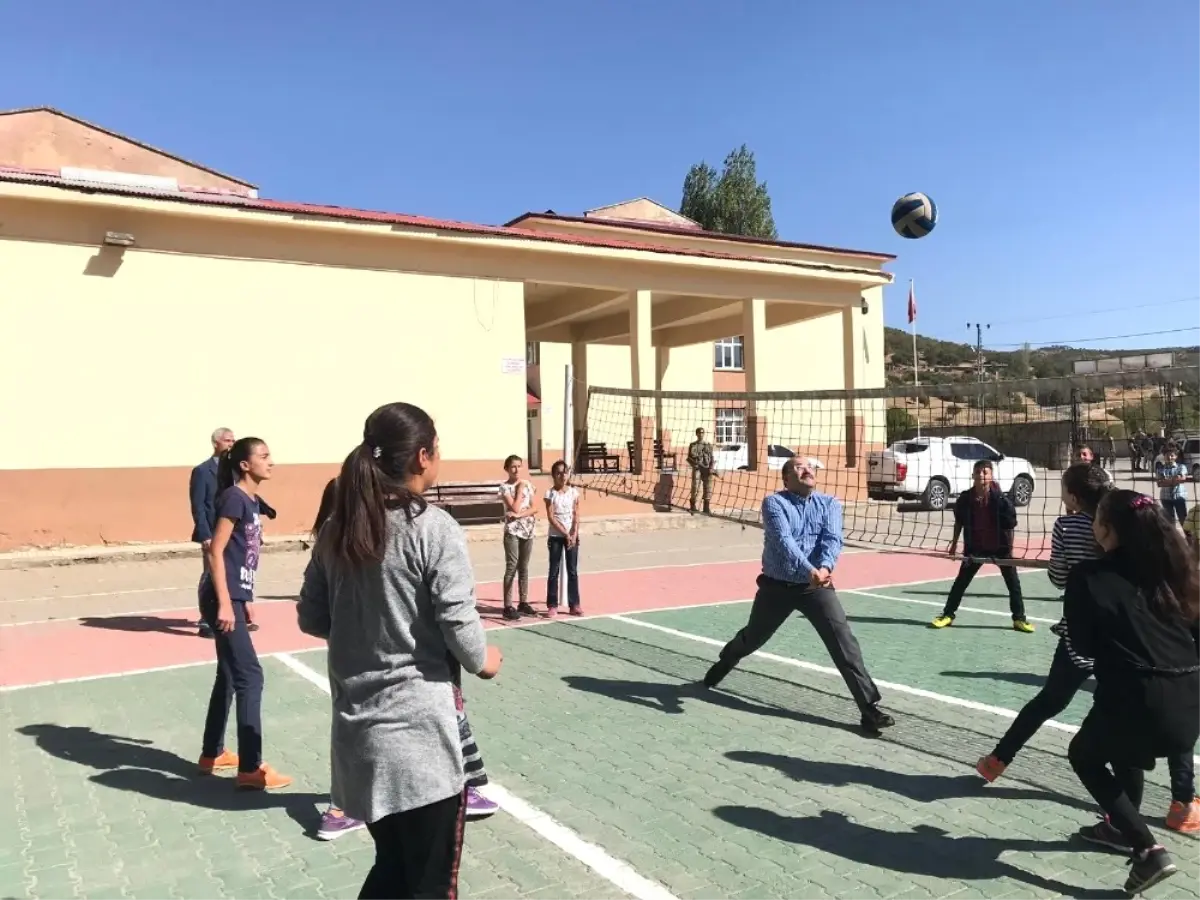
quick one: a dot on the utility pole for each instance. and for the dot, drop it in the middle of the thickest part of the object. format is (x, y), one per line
(979, 326)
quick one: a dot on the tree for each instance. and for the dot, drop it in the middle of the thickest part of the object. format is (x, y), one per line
(1018, 366)
(731, 202)
(899, 424)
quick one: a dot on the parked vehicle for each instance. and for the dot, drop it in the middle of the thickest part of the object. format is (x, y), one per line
(730, 457)
(935, 470)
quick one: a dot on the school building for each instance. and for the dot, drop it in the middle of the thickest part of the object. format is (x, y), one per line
(146, 300)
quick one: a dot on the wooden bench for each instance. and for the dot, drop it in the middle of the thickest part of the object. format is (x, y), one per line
(596, 458)
(470, 503)
(660, 458)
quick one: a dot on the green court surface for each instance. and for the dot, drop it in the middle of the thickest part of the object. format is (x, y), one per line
(761, 789)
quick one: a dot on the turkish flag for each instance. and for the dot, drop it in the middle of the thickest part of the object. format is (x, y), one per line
(912, 304)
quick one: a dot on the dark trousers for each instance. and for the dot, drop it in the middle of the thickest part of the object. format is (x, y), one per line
(775, 601)
(1176, 509)
(967, 571)
(516, 566)
(1063, 683)
(239, 679)
(417, 852)
(1113, 773)
(558, 549)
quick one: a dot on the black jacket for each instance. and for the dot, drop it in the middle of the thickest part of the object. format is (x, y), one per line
(202, 494)
(999, 508)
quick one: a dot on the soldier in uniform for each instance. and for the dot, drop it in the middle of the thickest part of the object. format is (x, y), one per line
(700, 458)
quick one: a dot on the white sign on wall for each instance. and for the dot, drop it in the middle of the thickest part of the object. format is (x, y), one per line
(512, 365)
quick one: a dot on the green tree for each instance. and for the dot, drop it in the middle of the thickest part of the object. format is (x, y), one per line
(1018, 366)
(733, 201)
(899, 424)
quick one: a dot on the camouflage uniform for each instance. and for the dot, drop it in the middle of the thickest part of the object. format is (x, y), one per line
(700, 458)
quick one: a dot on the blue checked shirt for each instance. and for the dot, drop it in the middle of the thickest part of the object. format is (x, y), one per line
(1175, 491)
(802, 534)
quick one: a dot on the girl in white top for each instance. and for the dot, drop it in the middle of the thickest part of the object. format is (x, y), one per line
(562, 509)
(520, 518)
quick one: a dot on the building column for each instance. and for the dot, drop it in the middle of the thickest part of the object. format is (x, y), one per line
(754, 327)
(662, 359)
(643, 367)
(579, 396)
(852, 378)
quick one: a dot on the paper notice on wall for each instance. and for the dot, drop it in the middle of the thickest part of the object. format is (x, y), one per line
(512, 365)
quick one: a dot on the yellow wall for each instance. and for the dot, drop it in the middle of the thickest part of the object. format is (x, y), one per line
(135, 367)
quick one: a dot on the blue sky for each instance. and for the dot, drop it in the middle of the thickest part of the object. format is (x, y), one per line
(1059, 139)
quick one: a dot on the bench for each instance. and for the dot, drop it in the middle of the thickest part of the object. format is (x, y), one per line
(470, 503)
(660, 458)
(596, 458)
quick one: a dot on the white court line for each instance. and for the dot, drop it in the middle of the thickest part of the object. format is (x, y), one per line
(942, 604)
(595, 857)
(829, 670)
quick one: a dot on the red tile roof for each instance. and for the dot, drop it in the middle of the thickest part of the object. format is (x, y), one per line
(208, 197)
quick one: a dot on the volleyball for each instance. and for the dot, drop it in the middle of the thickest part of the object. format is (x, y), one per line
(914, 215)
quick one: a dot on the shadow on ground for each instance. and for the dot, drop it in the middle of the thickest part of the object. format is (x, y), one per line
(925, 851)
(142, 624)
(137, 766)
(1022, 678)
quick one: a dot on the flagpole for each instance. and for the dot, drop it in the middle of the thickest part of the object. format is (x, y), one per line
(916, 360)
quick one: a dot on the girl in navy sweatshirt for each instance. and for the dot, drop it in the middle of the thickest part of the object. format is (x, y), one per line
(1135, 612)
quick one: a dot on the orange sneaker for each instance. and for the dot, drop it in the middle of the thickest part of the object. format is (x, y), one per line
(990, 768)
(264, 779)
(223, 762)
(1184, 817)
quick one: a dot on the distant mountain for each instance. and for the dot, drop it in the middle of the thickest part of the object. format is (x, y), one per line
(944, 362)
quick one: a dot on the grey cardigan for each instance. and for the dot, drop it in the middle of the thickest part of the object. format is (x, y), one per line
(392, 628)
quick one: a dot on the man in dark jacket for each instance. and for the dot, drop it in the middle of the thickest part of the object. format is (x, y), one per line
(986, 519)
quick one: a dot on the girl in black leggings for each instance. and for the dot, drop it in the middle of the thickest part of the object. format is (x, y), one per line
(1135, 612)
(1084, 485)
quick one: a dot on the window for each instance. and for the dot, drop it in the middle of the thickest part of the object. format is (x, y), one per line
(972, 451)
(731, 426)
(728, 352)
(533, 353)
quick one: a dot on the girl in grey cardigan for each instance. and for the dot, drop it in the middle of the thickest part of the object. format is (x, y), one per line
(390, 588)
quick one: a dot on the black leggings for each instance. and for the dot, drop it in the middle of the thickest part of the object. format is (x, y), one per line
(417, 852)
(1112, 770)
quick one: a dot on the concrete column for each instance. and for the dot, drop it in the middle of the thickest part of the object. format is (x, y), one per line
(662, 359)
(579, 394)
(754, 327)
(852, 375)
(642, 378)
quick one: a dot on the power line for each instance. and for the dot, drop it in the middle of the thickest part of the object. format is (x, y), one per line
(1093, 312)
(1094, 340)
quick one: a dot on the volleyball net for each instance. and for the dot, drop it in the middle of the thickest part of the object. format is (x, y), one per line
(896, 457)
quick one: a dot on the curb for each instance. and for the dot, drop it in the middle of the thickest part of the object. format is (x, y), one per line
(122, 553)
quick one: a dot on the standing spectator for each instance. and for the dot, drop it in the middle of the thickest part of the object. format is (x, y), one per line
(202, 491)
(1171, 477)
(520, 519)
(562, 509)
(1110, 452)
(700, 458)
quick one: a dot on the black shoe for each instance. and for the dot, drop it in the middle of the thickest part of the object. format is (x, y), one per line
(253, 626)
(707, 510)
(874, 720)
(1149, 870)
(526, 610)
(1102, 834)
(511, 614)
(717, 673)
(204, 630)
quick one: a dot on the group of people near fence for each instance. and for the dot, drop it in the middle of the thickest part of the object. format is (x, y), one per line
(390, 588)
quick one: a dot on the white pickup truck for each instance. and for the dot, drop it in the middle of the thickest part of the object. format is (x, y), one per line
(935, 470)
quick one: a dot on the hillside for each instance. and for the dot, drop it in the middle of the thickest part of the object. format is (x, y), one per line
(945, 362)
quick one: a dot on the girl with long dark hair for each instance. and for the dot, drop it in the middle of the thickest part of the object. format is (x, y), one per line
(1135, 612)
(226, 604)
(390, 588)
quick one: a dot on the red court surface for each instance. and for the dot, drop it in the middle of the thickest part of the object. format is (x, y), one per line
(94, 647)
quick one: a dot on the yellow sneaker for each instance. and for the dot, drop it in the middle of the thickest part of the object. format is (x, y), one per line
(1022, 626)
(942, 622)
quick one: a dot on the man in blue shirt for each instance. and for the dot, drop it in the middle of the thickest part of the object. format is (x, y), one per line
(801, 545)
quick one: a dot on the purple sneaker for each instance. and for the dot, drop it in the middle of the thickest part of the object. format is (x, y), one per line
(335, 824)
(479, 806)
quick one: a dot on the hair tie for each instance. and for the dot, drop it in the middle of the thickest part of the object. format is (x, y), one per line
(377, 452)
(1141, 502)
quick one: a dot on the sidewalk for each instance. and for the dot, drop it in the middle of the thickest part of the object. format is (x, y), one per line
(69, 556)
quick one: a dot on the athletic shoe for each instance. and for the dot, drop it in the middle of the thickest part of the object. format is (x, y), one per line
(990, 768)
(203, 629)
(479, 806)
(1104, 834)
(526, 610)
(942, 622)
(1023, 625)
(717, 673)
(263, 779)
(253, 626)
(874, 720)
(551, 612)
(335, 824)
(1184, 817)
(575, 611)
(511, 614)
(223, 761)
(1148, 870)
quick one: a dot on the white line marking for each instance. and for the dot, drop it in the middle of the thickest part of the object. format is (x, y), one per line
(829, 670)
(595, 857)
(941, 603)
